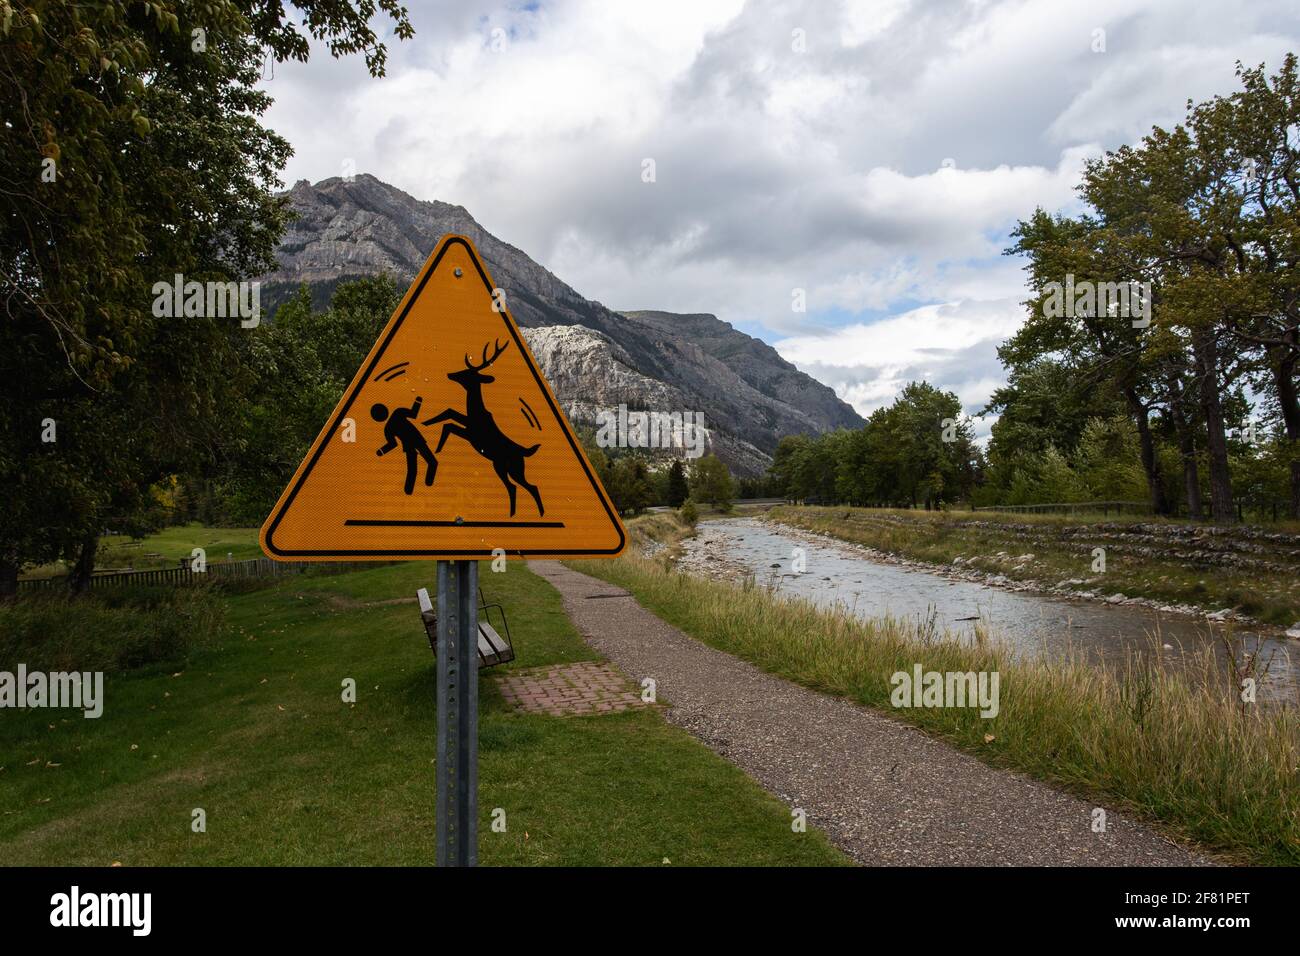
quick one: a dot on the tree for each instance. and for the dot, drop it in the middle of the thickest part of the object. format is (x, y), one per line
(292, 371)
(677, 489)
(1107, 460)
(710, 481)
(1043, 406)
(1106, 350)
(1208, 214)
(137, 154)
(786, 464)
(918, 450)
(1252, 201)
(629, 484)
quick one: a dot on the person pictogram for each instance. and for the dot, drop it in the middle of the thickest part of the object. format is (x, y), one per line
(399, 428)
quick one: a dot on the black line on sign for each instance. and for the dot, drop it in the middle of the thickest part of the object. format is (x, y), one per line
(530, 414)
(387, 370)
(381, 523)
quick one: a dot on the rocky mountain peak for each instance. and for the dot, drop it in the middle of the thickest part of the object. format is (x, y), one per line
(360, 225)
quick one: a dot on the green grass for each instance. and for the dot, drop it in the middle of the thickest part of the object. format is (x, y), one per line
(1222, 775)
(165, 548)
(254, 731)
(1174, 570)
(112, 629)
(172, 544)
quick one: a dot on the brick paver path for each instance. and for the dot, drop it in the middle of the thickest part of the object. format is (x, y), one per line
(562, 689)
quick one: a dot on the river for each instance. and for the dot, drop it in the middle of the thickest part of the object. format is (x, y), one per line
(839, 573)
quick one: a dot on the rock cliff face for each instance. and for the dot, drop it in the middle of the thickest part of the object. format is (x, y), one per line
(592, 373)
(594, 357)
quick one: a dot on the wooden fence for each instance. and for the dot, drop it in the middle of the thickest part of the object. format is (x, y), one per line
(180, 576)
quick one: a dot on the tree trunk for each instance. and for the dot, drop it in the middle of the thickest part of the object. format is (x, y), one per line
(1207, 362)
(84, 569)
(8, 579)
(1150, 460)
(1191, 474)
(1288, 400)
(1186, 432)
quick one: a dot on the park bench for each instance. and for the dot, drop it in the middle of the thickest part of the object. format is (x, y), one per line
(493, 649)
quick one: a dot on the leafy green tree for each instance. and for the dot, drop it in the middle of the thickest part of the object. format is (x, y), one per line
(630, 485)
(136, 153)
(785, 465)
(1043, 405)
(1108, 464)
(710, 481)
(292, 371)
(1104, 349)
(677, 489)
(1250, 200)
(689, 513)
(1208, 213)
(918, 450)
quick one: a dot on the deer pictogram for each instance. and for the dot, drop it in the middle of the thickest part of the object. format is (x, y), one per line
(479, 428)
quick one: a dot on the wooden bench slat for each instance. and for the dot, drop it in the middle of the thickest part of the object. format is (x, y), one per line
(493, 649)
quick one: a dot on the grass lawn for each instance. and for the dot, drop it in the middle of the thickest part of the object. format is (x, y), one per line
(165, 549)
(221, 544)
(255, 733)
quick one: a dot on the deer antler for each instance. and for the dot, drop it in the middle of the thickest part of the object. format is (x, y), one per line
(487, 361)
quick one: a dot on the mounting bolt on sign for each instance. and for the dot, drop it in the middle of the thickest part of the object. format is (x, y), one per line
(461, 450)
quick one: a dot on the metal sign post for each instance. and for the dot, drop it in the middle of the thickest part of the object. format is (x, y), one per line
(457, 772)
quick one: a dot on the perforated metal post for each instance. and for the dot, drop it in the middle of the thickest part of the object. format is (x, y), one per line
(457, 771)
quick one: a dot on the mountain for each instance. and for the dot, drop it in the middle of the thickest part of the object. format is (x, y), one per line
(594, 357)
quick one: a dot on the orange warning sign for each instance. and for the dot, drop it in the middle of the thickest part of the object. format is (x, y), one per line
(448, 444)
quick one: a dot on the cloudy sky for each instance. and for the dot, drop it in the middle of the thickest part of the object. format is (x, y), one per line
(873, 153)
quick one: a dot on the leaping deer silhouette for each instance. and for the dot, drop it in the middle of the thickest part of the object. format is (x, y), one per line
(479, 428)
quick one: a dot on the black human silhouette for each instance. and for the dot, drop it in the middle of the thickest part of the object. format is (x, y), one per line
(399, 428)
(477, 426)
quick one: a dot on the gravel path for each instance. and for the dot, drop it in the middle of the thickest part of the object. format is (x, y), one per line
(883, 792)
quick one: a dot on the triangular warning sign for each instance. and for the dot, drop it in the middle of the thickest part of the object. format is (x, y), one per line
(448, 444)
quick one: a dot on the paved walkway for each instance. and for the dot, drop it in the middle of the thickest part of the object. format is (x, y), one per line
(884, 792)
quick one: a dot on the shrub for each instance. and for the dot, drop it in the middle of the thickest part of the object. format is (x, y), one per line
(111, 630)
(689, 513)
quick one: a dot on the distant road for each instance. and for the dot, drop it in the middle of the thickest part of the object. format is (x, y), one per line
(743, 501)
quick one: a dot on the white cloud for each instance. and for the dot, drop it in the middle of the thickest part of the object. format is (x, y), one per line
(951, 344)
(1152, 88)
(867, 19)
(777, 169)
